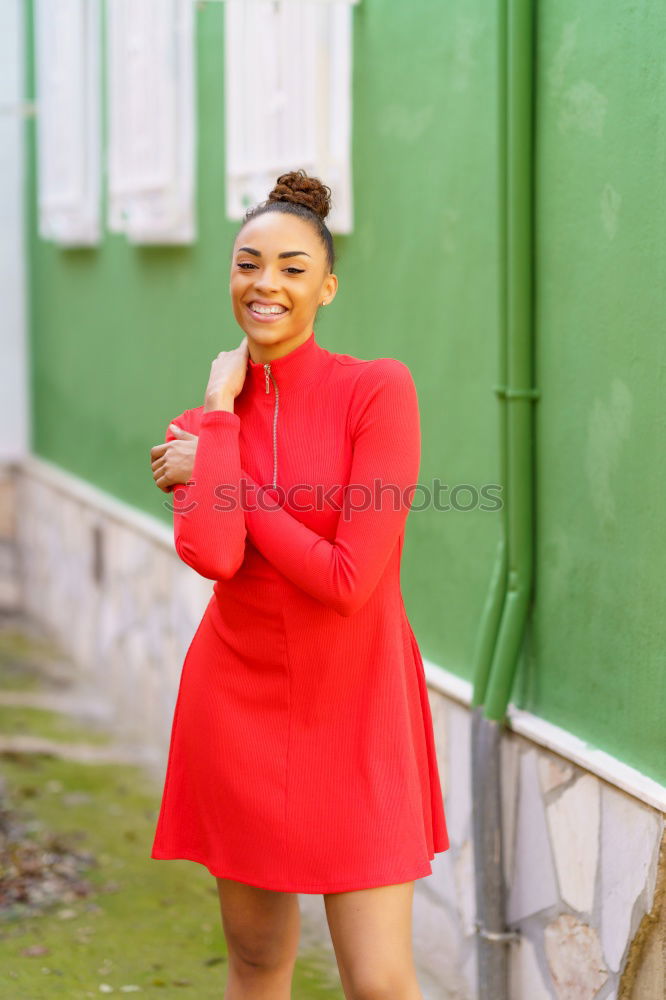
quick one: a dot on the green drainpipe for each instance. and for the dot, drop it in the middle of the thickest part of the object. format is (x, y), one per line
(506, 609)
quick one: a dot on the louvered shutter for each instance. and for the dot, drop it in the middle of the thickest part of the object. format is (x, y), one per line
(151, 120)
(288, 99)
(67, 75)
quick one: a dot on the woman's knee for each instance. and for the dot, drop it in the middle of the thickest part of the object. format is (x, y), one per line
(371, 931)
(261, 927)
(386, 983)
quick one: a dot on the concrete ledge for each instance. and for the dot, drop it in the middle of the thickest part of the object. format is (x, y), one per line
(559, 740)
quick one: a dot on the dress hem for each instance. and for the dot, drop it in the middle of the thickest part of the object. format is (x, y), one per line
(404, 876)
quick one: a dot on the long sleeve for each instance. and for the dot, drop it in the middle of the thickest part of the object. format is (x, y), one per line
(208, 519)
(386, 436)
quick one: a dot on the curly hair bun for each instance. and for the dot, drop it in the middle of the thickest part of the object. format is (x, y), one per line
(300, 189)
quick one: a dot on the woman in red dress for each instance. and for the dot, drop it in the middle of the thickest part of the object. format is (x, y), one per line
(302, 754)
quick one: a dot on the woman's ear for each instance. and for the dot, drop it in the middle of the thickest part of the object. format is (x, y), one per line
(328, 289)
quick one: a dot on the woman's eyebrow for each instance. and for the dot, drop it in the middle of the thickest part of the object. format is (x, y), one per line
(285, 253)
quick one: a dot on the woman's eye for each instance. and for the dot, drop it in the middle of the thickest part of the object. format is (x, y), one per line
(245, 265)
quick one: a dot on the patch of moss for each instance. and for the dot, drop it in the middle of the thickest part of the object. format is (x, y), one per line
(24, 658)
(16, 674)
(20, 720)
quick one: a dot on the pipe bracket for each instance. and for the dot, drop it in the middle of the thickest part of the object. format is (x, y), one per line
(505, 393)
(496, 935)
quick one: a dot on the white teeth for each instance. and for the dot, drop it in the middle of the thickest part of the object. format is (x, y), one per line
(267, 310)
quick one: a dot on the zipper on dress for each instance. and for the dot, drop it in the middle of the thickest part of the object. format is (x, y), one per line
(269, 374)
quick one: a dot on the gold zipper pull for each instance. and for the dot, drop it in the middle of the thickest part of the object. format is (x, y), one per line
(267, 368)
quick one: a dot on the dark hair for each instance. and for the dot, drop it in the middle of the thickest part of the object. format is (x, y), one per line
(304, 196)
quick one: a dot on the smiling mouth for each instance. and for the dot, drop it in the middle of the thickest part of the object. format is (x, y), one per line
(262, 310)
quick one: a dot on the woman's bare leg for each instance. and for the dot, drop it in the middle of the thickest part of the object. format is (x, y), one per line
(262, 931)
(371, 931)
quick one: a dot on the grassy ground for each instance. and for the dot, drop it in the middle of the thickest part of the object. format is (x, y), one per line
(145, 926)
(23, 720)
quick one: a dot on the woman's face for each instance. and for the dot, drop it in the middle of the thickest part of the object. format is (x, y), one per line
(279, 278)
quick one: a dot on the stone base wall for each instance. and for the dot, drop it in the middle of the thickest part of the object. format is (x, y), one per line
(582, 867)
(107, 583)
(10, 592)
(585, 870)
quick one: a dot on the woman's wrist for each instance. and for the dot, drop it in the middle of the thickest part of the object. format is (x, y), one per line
(219, 402)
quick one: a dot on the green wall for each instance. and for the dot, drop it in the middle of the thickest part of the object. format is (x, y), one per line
(596, 661)
(123, 337)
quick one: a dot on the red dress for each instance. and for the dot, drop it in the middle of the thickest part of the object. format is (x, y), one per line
(302, 755)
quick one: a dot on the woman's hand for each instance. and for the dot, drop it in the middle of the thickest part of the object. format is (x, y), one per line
(227, 375)
(173, 461)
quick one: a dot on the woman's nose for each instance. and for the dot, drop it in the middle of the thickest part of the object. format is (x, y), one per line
(266, 280)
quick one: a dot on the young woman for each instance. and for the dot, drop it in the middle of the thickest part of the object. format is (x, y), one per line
(302, 755)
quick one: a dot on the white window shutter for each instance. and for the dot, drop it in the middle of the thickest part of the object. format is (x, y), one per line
(288, 99)
(67, 34)
(151, 120)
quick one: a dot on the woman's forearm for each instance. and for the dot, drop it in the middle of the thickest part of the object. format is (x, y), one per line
(209, 525)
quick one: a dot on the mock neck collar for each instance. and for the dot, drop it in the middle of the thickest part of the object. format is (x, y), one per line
(295, 370)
